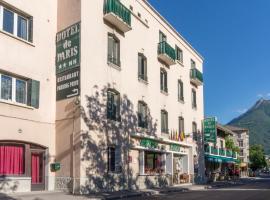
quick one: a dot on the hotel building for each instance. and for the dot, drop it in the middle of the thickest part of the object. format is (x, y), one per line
(102, 95)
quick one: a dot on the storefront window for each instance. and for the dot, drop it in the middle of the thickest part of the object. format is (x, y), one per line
(11, 160)
(153, 163)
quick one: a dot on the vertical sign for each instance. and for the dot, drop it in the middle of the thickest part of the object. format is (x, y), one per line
(210, 129)
(68, 48)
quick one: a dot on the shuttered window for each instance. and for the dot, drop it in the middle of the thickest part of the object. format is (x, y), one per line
(19, 90)
(113, 105)
(113, 50)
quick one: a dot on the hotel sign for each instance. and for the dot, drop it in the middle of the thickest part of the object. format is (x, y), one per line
(68, 84)
(210, 129)
(68, 48)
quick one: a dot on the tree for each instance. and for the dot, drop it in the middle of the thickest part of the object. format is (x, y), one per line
(257, 157)
(230, 145)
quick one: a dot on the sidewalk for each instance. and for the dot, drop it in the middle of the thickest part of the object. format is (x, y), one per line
(116, 195)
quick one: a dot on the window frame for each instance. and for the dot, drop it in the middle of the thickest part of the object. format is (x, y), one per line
(14, 89)
(194, 98)
(145, 126)
(178, 49)
(16, 15)
(163, 80)
(192, 64)
(110, 168)
(164, 130)
(181, 124)
(180, 90)
(162, 37)
(118, 109)
(140, 61)
(109, 58)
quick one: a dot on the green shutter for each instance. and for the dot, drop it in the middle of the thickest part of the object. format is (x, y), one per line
(33, 93)
(30, 29)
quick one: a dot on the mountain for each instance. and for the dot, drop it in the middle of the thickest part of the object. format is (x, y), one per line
(257, 120)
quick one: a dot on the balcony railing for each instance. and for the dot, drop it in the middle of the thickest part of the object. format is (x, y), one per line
(117, 14)
(166, 53)
(222, 152)
(196, 76)
(211, 150)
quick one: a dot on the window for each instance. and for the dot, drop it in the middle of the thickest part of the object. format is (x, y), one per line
(163, 80)
(22, 28)
(142, 115)
(111, 159)
(113, 50)
(241, 153)
(194, 131)
(193, 64)
(221, 144)
(153, 163)
(142, 67)
(8, 21)
(179, 54)
(164, 121)
(241, 144)
(180, 90)
(113, 105)
(12, 160)
(162, 37)
(181, 125)
(16, 23)
(20, 91)
(6, 87)
(194, 99)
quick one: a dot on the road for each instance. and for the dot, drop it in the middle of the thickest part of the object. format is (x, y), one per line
(256, 189)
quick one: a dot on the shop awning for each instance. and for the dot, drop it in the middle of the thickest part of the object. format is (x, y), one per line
(212, 158)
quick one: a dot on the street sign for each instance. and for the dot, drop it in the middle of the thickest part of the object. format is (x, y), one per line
(68, 48)
(210, 129)
(68, 84)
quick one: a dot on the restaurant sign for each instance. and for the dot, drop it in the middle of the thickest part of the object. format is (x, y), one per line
(175, 147)
(148, 143)
(210, 129)
(68, 84)
(68, 48)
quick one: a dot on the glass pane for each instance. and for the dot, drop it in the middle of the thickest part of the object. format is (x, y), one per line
(22, 28)
(8, 21)
(6, 87)
(20, 91)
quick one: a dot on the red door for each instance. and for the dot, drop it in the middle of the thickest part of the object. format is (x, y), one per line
(37, 171)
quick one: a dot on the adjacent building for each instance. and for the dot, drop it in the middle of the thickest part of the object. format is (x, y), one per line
(241, 139)
(220, 161)
(27, 105)
(96, 95)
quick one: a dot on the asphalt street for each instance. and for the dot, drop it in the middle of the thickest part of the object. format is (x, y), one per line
(252, 189)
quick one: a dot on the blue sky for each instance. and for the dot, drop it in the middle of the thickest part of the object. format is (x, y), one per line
(234, 38)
